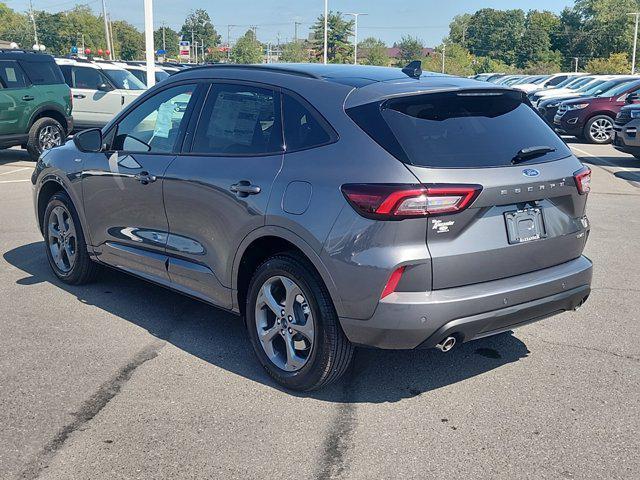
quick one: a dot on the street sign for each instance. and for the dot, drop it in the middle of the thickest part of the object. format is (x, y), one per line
(161, 52)
(185, 49)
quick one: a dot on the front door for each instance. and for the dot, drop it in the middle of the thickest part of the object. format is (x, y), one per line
(93, 107)
(123, 187)
(218, 192)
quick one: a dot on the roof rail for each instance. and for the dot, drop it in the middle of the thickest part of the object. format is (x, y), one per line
(265, 68)
(19, 50)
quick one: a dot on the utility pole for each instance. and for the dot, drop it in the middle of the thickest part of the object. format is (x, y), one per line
(195, 50)
(355, 35)
(191, 47)
(229, 41)
(576, 59)
(148, 40)
(164, 40)
(112, 51)
(326, 31)
(33, 20)
(106, 26)
(635, 43)
(444, 48)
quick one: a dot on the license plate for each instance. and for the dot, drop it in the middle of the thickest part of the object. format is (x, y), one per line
(524, 225)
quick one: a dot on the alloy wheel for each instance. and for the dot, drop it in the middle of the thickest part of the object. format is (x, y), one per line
(285, 324)
(50, 136)
(601, 130)
(62, 240)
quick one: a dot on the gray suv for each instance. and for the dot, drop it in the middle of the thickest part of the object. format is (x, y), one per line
(330, 206)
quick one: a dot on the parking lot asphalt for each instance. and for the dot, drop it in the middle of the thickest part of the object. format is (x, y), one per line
(123, 379)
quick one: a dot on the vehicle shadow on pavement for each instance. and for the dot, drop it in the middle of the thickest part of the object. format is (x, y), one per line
(13, 155)
(219, 337)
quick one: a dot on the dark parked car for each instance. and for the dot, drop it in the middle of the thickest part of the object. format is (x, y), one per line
(592, 118)
(331, 206)
(35, 102)
(549, 107)
(626, 127)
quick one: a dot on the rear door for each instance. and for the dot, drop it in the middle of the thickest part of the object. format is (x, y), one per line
(217, 192)
(528, 215)
(17, 99)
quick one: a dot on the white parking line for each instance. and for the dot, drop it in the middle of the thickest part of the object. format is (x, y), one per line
(16, 171)
(603, 160)
(14, 181)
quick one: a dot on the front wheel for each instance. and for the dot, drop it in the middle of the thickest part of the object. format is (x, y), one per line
(599, 129)
(293, 325)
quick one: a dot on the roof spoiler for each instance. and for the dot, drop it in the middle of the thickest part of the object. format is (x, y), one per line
(413, 70)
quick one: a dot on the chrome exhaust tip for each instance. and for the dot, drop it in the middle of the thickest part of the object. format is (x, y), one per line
(447, 344)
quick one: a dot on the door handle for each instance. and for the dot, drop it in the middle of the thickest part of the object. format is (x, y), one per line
(244, 188)
(145, 178)
(28, 98)
(79, 96)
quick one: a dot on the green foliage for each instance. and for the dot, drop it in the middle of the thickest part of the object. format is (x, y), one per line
(339, 48)
(247, 49)
(198, 26)
(458, 60)
(616, 63)
(410, 49)
(295, 52)
(535, 44)
(171, 40)
(496, 33)
(458, 29)
(373, 52)
(488, 65)
(128, 41)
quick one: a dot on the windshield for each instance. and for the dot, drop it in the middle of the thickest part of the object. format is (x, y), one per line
(537, 81)
(576, 84)
(591, 86)
(619, 89)
(124, 80)
(567, 81)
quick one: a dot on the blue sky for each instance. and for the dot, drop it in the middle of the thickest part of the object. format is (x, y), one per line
(388, 20)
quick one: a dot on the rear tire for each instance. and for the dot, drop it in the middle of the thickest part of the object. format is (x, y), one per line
(303, 351)
(45, 133)
(65, 243)
(599, 130)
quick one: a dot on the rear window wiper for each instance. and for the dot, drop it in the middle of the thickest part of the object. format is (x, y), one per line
(531, 152)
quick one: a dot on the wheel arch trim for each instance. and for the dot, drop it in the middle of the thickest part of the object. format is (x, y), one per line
(297, 241)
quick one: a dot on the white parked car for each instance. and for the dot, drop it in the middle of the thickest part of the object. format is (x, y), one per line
(99, 90)
(140, 72)
(550, 81)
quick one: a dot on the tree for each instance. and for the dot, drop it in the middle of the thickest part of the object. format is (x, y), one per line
(247, 49)
(410, 49)
(128, 42)
(171, 40)
(489, 65)
(496, 33)
(535, 44)
(295, 52)
(458, 29)
(15, 27)
(339, 49)
(373, 52)
(458, 61)
(198, 26)
(616, 63)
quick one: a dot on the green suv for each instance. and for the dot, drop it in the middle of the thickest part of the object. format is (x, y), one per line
(35, 102)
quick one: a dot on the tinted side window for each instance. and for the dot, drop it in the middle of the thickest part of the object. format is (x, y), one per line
(155, 125)
(66, 73)
(302, 128)
(11, 75)
(42, 73)
(85, 77)
(556, 81)
(239, 120)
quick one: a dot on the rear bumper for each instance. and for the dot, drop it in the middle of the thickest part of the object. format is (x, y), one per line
(407, 320)
(626, 138)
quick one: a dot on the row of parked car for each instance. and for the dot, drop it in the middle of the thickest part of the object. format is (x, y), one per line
(597, 108)
(43, 99)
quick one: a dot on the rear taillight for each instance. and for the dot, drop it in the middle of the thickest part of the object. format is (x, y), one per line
(396, 202)
(583, 180)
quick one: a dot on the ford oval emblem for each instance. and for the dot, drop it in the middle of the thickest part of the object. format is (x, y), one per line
(530, 172)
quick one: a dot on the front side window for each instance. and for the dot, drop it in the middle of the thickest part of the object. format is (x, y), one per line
(155, 125)
(302, 129)
(124, 80)
(239, 120)
(87, 78)
(11, 75)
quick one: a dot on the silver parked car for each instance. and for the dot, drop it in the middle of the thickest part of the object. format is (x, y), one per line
(330, 206)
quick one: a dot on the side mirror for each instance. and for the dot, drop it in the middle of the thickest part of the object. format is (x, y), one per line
(103, 87)
(632, 98)
(89, 140)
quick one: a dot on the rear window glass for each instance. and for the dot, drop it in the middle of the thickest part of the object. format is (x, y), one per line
(459, 129)
(302, 129)
(43, 73)
(11, 75)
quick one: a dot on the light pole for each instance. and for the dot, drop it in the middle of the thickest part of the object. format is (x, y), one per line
(106, 27)
(148, 40)
(33, 20)
(635, 43)
(326, 31)
(355, 35)
(577, 59)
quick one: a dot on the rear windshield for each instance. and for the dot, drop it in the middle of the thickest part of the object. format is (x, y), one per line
(459, 129)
